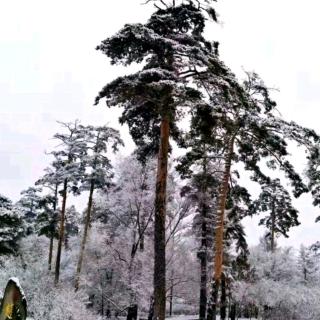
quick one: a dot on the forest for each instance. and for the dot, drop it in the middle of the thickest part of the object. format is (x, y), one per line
(161, 233)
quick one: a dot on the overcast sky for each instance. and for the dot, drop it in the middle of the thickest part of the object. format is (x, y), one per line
(50, 70)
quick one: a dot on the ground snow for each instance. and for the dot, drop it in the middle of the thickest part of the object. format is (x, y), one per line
(194, 317)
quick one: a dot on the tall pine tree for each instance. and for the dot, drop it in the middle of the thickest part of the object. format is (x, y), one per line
(69, 170)
(170, 45)
(250, 132)
(99, 173)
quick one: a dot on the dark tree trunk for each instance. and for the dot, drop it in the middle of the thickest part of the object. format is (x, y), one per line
(171, 296)
(213, 302)
(85, 235)
(108, 312)
(203, 254)
(159, 279)
(55, 203)
(102, 303)
(141, 242)
(151, 309)
(132, 312)
(203, 267)
(61, 235)
(233, 311)
(66, 241)
(223, 307)
(273, 223)
(50, 253)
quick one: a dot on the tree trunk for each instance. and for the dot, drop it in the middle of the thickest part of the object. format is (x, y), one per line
(55, 203)
(219, 225)
(132, 312)
(159, 279)
(213, 302)
(66, 241)
(219, 232)
(85, 235)
(61, 235)
(203, 254)
(223, 307)
(171, 294)
(102, 301)
(141, 242)
(50, 253)
(151, 309)
(203, 268)
(233, 310)
(272, 233)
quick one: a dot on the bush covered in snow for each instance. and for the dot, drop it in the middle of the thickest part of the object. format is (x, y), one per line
(282, 285)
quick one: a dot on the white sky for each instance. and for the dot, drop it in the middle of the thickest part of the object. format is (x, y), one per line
(50, 70)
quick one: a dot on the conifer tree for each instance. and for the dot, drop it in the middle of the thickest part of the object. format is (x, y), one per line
(72, 222)
(29, 204)
(12, 227)
(276, 201)
(201, 166)
(69, 170)
(313, 175)
(154, 99)
(47, 221)
(236, 250)
(99, 172)
(249, 132)
(204, 164)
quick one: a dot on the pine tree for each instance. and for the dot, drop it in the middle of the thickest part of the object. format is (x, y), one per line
(49, 217)
(12, 227)
(313, 174)
(204, 163)
(98, 142)
(47, 221)
(236, 252)
(201, 166)
(72, 222)
(276, 201)
(69, 170)
(5, 203)
(154, 99)
(249, 132)
(29, 204)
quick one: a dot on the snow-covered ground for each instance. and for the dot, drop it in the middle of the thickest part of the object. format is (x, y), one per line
(181, 317)
(194, 317)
